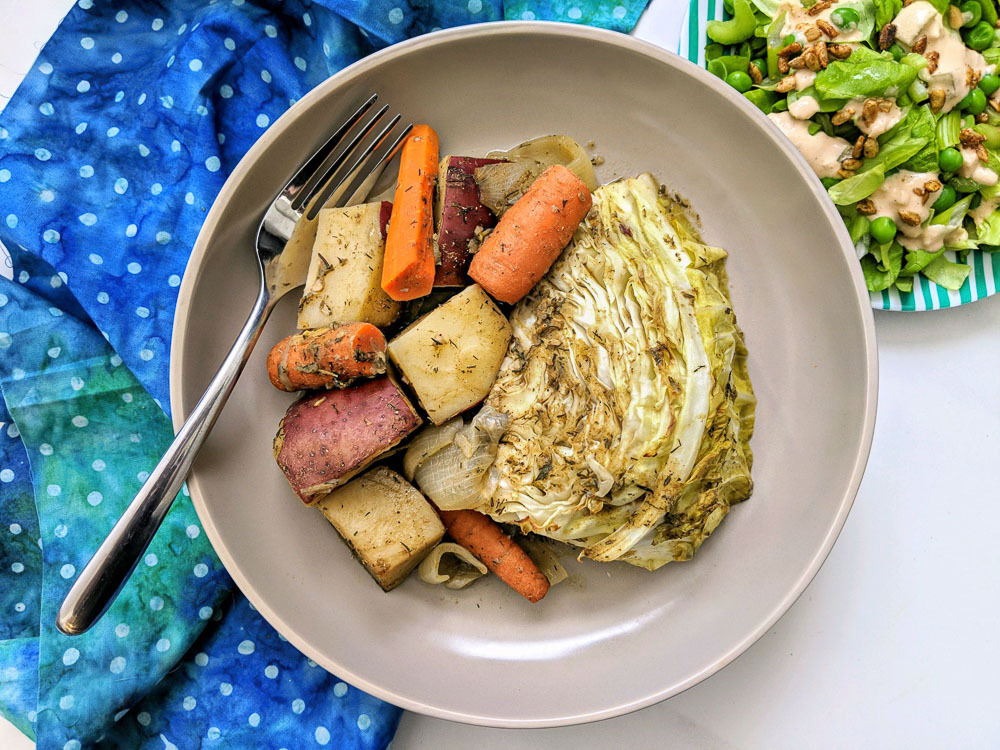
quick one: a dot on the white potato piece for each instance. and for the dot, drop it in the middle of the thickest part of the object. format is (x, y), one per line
(387, 523)
(344, 281)
(451, 356)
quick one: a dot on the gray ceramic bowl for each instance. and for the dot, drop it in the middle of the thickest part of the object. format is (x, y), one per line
(617, 638)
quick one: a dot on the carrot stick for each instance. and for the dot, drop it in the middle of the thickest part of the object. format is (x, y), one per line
(328, 357)
(408, 267)
(531, 235)
(498, 552)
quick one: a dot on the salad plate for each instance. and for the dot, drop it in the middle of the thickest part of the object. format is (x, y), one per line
(613, 638)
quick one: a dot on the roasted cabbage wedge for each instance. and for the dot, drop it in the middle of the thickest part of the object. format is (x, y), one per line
(626, 385)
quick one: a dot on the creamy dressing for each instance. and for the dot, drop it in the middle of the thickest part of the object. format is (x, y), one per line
(823, 152)
(896, 195)
(803, 108)
(954, 58)
(882, 122)
(804, 78)
(974, 169)
(798, 20)
(984, 210)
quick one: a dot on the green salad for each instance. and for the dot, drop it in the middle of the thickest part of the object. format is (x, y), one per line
(896, 107)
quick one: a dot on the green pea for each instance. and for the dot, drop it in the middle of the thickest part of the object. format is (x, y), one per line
(950, 160)
(974, 10)
(883, 229)
(946, 199)
(761, 66)
(979, 37)
(740, 81)
(989, 83)
(846, 19)
(897, 51)
(974, 102)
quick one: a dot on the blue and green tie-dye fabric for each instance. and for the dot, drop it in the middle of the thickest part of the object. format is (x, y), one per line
(111, 153)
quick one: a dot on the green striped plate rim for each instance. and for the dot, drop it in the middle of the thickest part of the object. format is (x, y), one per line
(926, 295)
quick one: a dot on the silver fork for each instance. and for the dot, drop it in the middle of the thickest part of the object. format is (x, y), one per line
(342, 172)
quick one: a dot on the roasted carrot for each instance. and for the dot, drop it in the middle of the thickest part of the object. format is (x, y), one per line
(408, 267)
(330, 357)
(498, 552)
(531, 234)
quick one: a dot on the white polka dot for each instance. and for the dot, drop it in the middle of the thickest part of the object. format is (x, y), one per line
(200, 570)
(246, 647)
(300, 63)
(364, 721)
(202, 110)
(11, 220)
(204, 613)
(263, 121)
(619, 12)
(67, 571)
(46, 108)
(201, 659)
(61, 530)
(163, 645)
(130, 231)
(151, 559)
(71, 744)
(189, 703)
(46, 196)
(4, 175)
(157, 24)
(143, 718)
(311, 663)
(80, 421)
(32, 716)
(322, 734)
(113, 131)
(98, 465)
(95, 498)
(88, 219)
(134, 438)
(270, 671)
(12, 431)
(121, 714)
(298, 706)
(43, 154)
(7, 475)
(195, 65)
(226, 91)
(121, 185)
(156, 604)
(475, 6)
(271, 31)
(70, 656)
(142, 312)
(54, 490)
(45, 68)
(45, 449)
(192, 531)
(76, 383)
(23, 277)
(96, 259)
(86, 171)
(17, 567)
(213, 733)
(121, 630)
(121, 16)
(119, 96)
(229, 44)
(527, 16)
(225, 688)
(212, 164)
(167, 101)
(103, 297)
(175, 146)
(55, 351)
(163, 237)
(143, 150)
(254, 719)
(19, 607)
(340, 689)
(66, 703)
(307, 19)
(83, 87)
(127, 398)
(87, 43)
(133, 267)
(116, 58)
(326, 49)
(396, 16)
(5, 340)
(117, 665)
(17, 373)
(142, 476)
(145, 354)
(182, 28)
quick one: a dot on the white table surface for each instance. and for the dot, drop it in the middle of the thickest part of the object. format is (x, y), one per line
(896, 642)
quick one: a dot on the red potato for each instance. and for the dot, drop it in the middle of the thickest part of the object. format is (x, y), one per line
(325, 439)
(459, 214)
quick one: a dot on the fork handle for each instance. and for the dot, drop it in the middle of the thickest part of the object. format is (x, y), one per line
(110, 567)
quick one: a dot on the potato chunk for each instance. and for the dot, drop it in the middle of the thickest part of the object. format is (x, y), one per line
(451, 356)
(386, 522)
(344, 283)
(325, 439)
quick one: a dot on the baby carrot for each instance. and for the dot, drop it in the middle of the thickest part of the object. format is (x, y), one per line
(408, 266)
(328, 357)
(531, 235)
(498, 552)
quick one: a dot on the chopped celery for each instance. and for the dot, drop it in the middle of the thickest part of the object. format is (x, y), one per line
(737, 29)
(948, 129)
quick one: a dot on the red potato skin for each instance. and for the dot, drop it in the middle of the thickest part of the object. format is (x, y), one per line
(460, 215)
(385, 211)
(324, 439)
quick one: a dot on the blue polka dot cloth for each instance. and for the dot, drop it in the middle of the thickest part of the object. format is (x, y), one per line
(111, 153)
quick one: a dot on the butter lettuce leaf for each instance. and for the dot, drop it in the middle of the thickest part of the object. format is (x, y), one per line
(865, 73)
